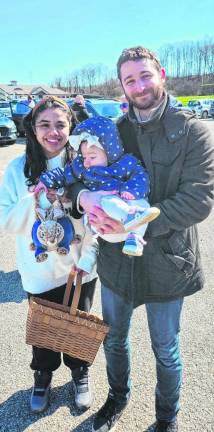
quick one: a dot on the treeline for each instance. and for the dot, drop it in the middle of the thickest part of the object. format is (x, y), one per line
(189, 67)
(188, 58)
(92, 78)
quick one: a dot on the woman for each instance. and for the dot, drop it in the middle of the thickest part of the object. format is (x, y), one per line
(47, 127)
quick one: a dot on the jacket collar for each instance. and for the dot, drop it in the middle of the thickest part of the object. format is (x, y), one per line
(174, 120)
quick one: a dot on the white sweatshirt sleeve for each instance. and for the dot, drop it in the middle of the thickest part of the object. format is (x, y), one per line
(17, 213)
(89, 251)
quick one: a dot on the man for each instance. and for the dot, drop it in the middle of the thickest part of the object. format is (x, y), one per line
(124, 105)
(79, 108)
(178, 152)
(31, 102)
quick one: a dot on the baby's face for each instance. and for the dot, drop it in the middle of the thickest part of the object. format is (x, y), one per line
(93, 156)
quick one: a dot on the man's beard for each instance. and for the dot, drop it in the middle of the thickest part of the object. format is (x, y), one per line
(155, 97)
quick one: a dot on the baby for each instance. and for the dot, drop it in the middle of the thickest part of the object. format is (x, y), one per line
(102, 165)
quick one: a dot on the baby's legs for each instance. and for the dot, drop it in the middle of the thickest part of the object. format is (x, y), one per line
(134, 215)
(131, 213)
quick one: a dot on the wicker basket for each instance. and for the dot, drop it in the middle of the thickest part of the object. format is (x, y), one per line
(65, 329)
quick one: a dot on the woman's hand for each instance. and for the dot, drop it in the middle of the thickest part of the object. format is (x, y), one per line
(79, 271)
(53, 195)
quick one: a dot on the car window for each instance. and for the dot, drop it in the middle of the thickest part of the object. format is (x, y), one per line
(5, 108)
(108, 109)
(4, 105)
(193, 103)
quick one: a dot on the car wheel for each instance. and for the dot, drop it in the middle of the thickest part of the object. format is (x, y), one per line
(204, 115)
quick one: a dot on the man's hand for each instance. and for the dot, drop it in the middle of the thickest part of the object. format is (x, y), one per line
(90, 202)
(103, 223)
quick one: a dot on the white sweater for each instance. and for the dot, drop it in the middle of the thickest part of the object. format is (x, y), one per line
(17, 215)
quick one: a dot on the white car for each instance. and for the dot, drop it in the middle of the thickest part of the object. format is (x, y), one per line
(201, 107)
(5, 108)
(8, 132)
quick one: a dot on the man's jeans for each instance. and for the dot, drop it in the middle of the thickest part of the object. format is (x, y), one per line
(163, 322)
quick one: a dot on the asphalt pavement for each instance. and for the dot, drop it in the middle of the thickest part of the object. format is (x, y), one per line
(16, 378)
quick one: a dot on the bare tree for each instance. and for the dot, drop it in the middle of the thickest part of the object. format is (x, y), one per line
(189, 65)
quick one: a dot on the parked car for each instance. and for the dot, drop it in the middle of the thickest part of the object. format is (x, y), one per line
(201, 107)
(5, 108)
(8, 132)
(19, 110)
(101, 107)
(175, 102)
(212, 109)
(105, 107)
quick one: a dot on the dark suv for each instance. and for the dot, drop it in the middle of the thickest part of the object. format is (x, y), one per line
(19, 110)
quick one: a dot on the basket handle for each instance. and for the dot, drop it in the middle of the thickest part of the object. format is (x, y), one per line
(77, 291)
(76, 296)
(67, 293)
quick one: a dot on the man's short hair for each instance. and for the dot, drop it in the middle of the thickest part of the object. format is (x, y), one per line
(135, 54)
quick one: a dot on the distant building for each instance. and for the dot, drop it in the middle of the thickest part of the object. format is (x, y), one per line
(18, 91)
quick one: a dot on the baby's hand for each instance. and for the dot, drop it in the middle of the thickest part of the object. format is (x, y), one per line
(39, 188)
(127, 195)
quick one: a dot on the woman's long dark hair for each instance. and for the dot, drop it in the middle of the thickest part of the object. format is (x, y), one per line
(36, 161)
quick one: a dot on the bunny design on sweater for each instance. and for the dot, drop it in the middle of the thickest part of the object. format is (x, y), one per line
(52, 230)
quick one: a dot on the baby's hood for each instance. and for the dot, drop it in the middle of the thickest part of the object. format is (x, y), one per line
(107, 133)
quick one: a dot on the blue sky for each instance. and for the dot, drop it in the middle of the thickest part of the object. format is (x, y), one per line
(45, 39)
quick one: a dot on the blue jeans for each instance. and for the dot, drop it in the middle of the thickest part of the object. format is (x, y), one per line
(163, 322)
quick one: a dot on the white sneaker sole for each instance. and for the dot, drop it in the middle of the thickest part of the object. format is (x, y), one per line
(129, 226)
(132, 253)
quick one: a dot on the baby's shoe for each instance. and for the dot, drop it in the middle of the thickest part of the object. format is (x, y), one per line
(134, 245)
(139, 216)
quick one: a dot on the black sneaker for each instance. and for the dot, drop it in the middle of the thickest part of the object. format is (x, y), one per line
(40, 394)
(82, 389)
(164, 426)
(107, 416)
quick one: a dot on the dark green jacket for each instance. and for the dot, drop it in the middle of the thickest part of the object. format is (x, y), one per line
(178, 152)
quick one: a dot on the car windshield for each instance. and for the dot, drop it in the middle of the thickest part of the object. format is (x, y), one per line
(109, 109)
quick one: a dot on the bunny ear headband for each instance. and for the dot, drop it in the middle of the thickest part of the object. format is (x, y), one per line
(76, 140)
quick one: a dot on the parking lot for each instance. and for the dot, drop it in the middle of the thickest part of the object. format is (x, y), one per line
(197, 346)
